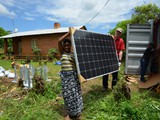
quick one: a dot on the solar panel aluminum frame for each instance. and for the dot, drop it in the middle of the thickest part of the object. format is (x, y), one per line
(72, 31)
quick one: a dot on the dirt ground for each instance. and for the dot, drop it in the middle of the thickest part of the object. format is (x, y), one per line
(11, 89)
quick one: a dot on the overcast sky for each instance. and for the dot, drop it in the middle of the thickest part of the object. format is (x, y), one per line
(26, 15)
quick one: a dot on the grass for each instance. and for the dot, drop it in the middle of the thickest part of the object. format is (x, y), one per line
(1, 50)
(138, 108)
(19, 104)
(5, 64)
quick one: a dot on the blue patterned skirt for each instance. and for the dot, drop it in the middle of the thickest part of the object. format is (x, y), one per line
(71, 92)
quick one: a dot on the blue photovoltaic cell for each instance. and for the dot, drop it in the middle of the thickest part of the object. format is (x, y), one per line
(95, 53)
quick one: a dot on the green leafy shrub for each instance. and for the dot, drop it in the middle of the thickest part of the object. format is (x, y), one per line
(37, 52)
(121, 91)
(52, 53)
(2, 56)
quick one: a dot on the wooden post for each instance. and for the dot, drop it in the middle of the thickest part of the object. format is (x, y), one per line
(15, 72)
(5, 46)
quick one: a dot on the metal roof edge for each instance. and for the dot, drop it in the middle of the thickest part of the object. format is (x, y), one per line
(40, 32)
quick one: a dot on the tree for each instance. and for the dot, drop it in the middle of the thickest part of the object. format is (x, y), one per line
(2, 33)
(37, 52)
(144, 13)
(52, 53)
(123, 25)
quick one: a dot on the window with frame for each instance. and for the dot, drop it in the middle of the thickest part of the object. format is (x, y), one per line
(33, 43)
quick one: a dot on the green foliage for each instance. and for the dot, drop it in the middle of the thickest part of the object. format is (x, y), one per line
(98, 105)
(32, 106)
(5, 64)
(10, 50)
(123, 25)
(52, 90)
(52, 52)
(144, 13)
(2, 56)
(121, 91)
(1, 50)
(37, 52)
(2, 33)
(101, 107)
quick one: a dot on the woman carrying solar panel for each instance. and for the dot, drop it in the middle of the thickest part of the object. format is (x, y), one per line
(71, 89)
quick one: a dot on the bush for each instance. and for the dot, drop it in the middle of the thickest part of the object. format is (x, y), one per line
(2, 56)
(121, 91)
(37, 52)
(52, 53)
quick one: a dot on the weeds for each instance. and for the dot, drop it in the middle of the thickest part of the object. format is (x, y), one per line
(98, 105)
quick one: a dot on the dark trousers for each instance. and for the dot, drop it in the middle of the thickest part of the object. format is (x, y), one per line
(154, 67)
(114, 80)
(143, 64)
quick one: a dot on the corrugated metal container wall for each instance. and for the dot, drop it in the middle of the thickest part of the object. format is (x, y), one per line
(158, 37)
(138, 36)
(158, 45)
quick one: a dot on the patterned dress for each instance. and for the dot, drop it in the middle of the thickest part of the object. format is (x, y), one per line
(71, 89)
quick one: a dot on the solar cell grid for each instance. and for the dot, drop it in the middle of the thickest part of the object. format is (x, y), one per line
(95, 53)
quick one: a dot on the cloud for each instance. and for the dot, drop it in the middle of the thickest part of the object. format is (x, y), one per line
(30, 14)
(82, 11)
(51, 19)
(10, 3)
(5, 12)
(79, 12)
(28, 18)
(106, 27)
(74, 12)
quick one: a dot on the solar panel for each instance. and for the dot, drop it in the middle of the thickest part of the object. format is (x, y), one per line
(95, 53)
